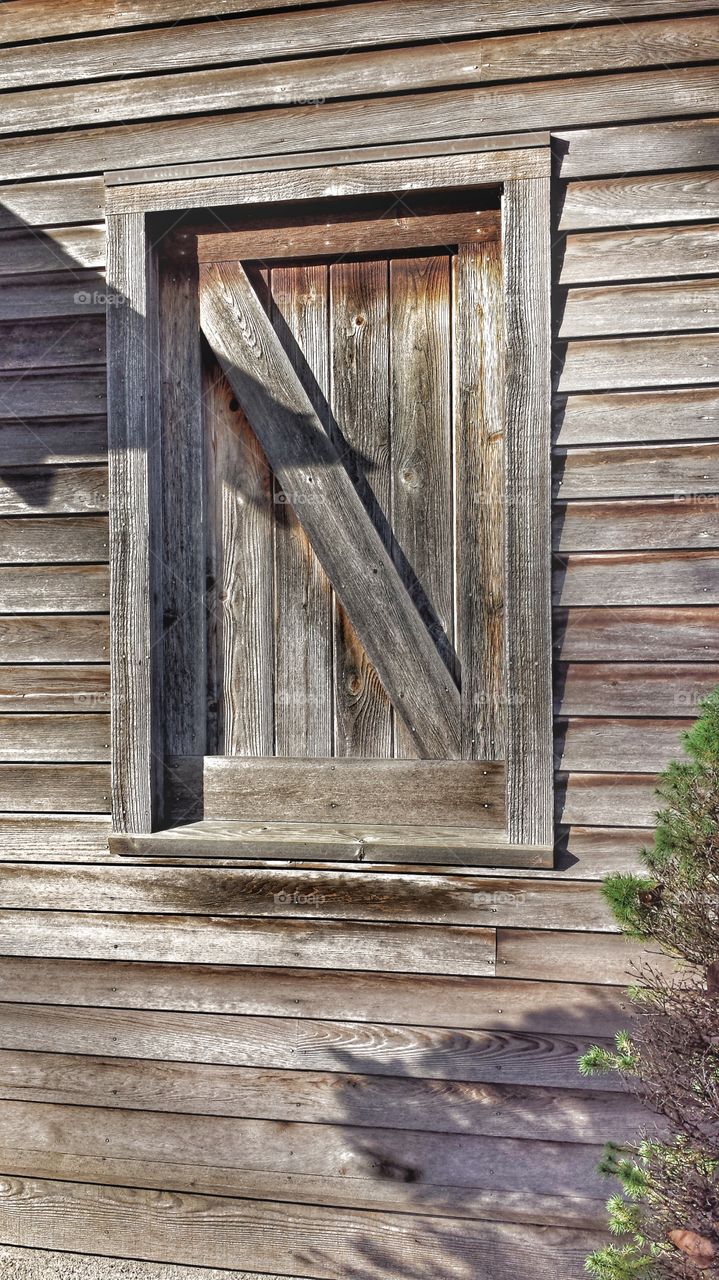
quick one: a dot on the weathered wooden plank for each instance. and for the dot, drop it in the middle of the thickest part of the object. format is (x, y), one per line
(421, 478)
(638, 308)
(53, 249)
(27, 444)
(594, 852)
(321, 234)
(303, 605)
(360, 396)
(134, 437)
(334, 519)
(38, 638)
(83, 293)
(663, 145)
(39, 204)
(606, 799)
(325, 895)
(637, 634)
(595, 364)
(52, 490)
(479, 388)
(55, 737)
(184, 616)
(526, 237)
(649, 524)
(30, 19)
(31, 345)
(633, 689)
(78, 687)
(618, 745)
(53, 394)
(55, 788)
(638, 253)
(686, 472)
(238, 87)
(187, 939)
(279, 1237)
(600, 957)
(638, 201)
(54, 588)
(410, 1052)
(315, 790)
(44, 837)
(462, 1003)
(492, 109)
(637, 578)
(330, 1164)
(47, 539)
(625, 416)
(410, 1104)
(242, 602)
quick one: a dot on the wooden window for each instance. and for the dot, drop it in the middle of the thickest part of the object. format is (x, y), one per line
(330, 503)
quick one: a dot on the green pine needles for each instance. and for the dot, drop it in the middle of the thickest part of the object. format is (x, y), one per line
(666, 1214)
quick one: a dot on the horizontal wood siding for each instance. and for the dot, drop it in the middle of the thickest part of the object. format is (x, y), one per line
(356, 1069)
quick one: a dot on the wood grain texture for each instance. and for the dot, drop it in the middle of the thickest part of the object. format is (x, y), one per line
(639, 200)
(479, 390)
(55, 638)
(53, 394)
(528, 536)
(638, 578)
(56, 249)
(590, 744)
(638, 253)
(360, 380)
(47, 540)
(609, 363)
(638, 308)
(74, 440)
(646, 147)
(39, 204)
(55, 343)
(55, 788)
(566, 956)
(43, 837)
(135, 527)
(436, 792)
(607, 799)
(685, 472)
(55, 737)
(45, 687)
(636, 416)
(665, 689)
(53, 490)
(333, 515)
(637, 634)
(26, 19)
(54, 588)
(652, 524)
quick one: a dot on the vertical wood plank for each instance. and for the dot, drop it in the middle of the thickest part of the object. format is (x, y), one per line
(422, 505)
(526, 241)
(183, 516)
(303, 595)
(242, 616)
(360, 402)
(479, 463)
(134, 437)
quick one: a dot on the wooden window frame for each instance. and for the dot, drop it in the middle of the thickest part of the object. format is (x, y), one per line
(146, 564)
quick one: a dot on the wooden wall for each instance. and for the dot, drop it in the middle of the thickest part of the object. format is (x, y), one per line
(334, 1073)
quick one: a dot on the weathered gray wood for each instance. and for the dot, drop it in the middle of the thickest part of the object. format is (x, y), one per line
(242, 599)
(55, 788)
(652, 524)
(625, 416)
(30, 19)
(304, 581)
(192, 939)
(68, 1215)
(594, 364)
(36, 204)
(638, 308)
(392, 846)
(636, 634)
(488, 109)
(55, 638)
(632, 578)
(53, 394)
(83, 293)
(638, 253)
(45, 837)
(421, 450)
(53, 490)
(373, 791)
(479, 388)
(360, 379)
(184, 617)
(590, 852)
(686, 472)
(526, 238)
(205, 1089)
(642, 689)
(621, 745)
(635, 201)
(664, 145)
(30, 344)
(135, 526)
(24, 444)
(600, 957)
(318, 235)
(607, 799)
(34, 540)
(55, 737)
(305, 462)
(54, 588)
(462, 1003)
(56, 249)
(55, 688)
